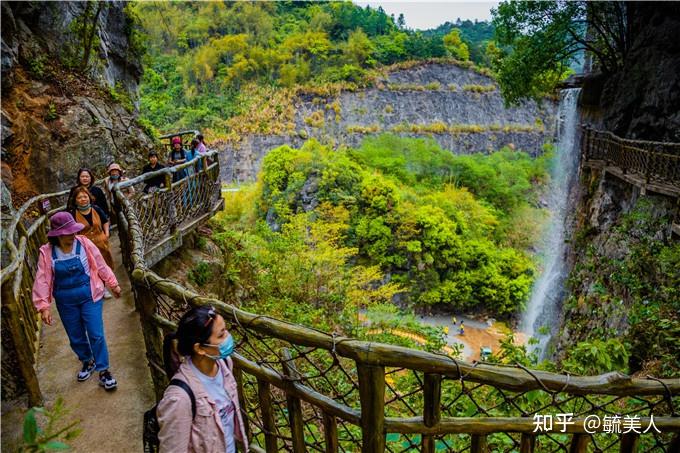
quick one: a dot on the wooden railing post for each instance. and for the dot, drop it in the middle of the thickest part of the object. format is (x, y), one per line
(268, 425)
(168, 181)
(629, 442)
(294, 406)
(238, 375)
(675, 443)
(153, 337)
(432, 389)
(169, 205)
(478, 443)
(372, 396)
(330, 433)
(579, 443)
(527, 443)
(11, 313)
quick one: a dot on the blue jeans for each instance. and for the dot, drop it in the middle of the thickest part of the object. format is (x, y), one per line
(84, 325)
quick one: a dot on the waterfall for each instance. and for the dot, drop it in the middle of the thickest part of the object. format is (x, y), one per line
(540, 320)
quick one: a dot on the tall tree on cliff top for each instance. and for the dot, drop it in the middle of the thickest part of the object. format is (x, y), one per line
(546, 37)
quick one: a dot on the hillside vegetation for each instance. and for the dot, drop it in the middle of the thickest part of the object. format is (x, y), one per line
(443, 230)
(209, 61)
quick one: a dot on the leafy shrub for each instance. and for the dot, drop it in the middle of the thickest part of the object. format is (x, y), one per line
(37, 66)
(51, 112)
(315, 119)
(359, 129)
(54, 435)
(479, 88)
(596, 357)
(200, 274)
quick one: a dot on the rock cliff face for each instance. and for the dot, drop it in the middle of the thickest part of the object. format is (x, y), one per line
(623, 253)
(459, 108)
(56, 119)
(642, 100)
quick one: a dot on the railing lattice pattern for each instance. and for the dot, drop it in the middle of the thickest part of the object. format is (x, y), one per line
(306, 390)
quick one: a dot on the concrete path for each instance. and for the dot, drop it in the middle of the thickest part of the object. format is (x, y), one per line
(470, 339)
(110, 421)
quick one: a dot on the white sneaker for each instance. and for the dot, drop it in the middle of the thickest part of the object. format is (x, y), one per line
(107, 294)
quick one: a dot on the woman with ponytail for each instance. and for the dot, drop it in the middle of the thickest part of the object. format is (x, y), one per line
(204, 364)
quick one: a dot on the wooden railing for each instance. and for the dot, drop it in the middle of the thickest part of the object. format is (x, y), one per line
(20, 322)
(28, 231)
(649, 162)
(305, 390)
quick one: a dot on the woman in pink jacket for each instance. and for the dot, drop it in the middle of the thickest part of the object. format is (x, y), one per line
(205, 344)
(72, 271)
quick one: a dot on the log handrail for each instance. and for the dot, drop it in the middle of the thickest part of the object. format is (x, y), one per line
(269, 380)
(340, 385)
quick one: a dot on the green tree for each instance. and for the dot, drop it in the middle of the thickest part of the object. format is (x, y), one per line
(455, 46)
(359, 49)
(492, 54)
(546, 37)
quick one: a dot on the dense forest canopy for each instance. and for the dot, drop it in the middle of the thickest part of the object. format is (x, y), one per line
(202, 55)
(449, 230)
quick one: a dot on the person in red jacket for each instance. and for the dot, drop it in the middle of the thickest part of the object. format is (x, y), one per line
(72, 271)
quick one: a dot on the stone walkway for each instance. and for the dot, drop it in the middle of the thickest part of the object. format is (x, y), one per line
(110, 421)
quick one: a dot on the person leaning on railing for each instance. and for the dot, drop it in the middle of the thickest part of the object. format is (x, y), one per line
(156, 182)
(73, 272)
(206, 346)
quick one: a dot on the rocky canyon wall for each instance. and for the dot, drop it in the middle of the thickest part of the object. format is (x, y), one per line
(624, 257)
(459, 108)
(56, 116)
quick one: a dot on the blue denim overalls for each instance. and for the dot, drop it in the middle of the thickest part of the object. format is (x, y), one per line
(82, 317)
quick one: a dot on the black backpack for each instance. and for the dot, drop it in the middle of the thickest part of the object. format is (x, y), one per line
(151, 426)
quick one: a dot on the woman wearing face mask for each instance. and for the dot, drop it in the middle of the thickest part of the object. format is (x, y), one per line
(73, 273)
(116, 175)
(86, 179)
(95, 223)
(206, 346)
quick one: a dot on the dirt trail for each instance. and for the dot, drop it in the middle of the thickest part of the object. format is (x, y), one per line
(110, 421)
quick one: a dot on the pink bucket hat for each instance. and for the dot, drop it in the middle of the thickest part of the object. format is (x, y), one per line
(62, 224)
(114, 166)
(176, 140)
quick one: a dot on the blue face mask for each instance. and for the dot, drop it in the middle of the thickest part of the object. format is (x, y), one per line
(226, 348)
(84, 208)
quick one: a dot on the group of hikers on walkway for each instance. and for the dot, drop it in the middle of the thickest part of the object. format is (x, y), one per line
(177, 156)
(200, 409)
